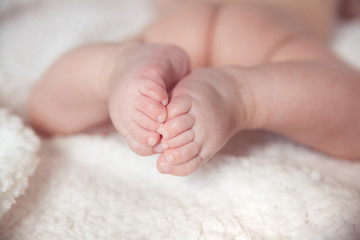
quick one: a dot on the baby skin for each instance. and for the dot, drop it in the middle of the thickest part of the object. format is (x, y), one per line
(184, 94)
(197, 126)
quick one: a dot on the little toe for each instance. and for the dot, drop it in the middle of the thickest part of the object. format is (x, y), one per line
(182, 154)
(176, 126)
(151, 108)
(179, 105)
(154, 91)
(183, 169)
(137, 147)
(145, 122)
(179, 140)
(143, 136)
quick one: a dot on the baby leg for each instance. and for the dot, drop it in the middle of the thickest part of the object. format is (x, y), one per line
(305, 79)
(243, 33)
(208, 106)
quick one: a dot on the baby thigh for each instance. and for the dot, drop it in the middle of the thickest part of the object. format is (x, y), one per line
(249, 34)
(219, 34)
(188, 26)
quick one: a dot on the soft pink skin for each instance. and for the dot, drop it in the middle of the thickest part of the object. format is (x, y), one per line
(201, 119)
(290, 84)
(139, 93)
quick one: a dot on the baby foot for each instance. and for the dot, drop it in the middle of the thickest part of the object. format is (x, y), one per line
(204, 112)
(139, 93)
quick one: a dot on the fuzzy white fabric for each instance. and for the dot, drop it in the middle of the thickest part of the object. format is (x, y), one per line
(93, 187)
(18, 158)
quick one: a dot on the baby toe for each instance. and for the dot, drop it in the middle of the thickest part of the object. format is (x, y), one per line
(151, 108)
(176, 126)
(182, 154)
(179, 105)
(183, 169)
(137, 147)
(143, 136)
(154, 91)
(178, 141)
(145, 122)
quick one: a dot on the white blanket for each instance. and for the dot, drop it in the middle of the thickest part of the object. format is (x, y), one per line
(260, 186)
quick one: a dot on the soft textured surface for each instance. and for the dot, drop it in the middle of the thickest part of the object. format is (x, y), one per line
(93, 187)
(18, 158)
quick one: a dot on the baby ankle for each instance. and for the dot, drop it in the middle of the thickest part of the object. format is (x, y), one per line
(246, 107)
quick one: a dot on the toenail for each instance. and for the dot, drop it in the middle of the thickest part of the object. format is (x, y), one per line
(165, 167)
(164, 102)
(161, 118)
(151, 141)
(165, 134)
(159, 148)
(165, 146)
(160, 130)
(170, 158)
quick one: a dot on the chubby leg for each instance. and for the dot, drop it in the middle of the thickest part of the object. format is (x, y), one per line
(302, 91)
(244, 33)
(74, 95)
